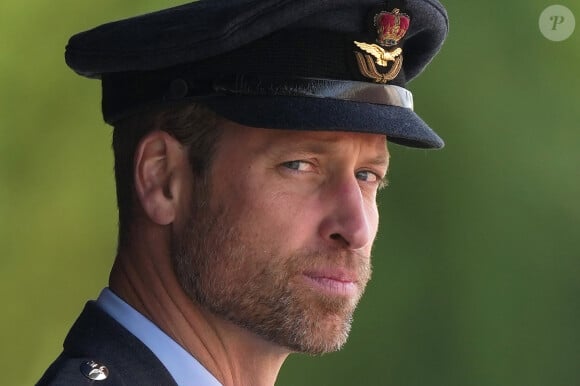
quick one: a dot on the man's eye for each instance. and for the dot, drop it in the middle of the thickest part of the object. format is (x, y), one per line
(301, 166)
(367, 176)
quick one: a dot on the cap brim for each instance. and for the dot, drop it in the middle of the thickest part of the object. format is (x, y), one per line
(400, 125)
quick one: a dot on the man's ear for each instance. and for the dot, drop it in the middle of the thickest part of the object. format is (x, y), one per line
(161, 166)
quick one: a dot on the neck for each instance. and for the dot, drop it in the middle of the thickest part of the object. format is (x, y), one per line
(143, 276)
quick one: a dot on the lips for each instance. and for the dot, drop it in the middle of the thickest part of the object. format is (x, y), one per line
(334, 282)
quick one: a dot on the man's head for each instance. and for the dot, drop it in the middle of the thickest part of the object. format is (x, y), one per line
(277, 229)
(281, 111)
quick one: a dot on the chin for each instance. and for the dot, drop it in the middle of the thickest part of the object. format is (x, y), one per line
(322, 335)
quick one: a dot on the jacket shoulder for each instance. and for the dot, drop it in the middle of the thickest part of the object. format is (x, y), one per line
(99, 351)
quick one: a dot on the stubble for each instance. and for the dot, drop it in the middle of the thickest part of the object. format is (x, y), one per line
(227, 268)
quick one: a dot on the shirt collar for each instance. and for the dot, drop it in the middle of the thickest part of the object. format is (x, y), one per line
(182, 366)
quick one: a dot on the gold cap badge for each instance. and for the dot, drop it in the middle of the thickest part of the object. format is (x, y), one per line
(391, 27)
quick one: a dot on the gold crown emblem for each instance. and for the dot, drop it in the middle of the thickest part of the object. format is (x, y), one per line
(391, 27)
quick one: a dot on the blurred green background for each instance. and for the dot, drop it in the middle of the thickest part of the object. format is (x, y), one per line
(477, 265)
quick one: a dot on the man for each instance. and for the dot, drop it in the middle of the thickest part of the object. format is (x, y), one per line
(250, 140)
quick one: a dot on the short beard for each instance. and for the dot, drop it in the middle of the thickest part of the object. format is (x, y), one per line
(222, 266)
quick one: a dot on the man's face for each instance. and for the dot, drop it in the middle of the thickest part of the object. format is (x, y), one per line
(278, 240)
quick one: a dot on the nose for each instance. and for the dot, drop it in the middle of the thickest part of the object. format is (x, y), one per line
(350, 222)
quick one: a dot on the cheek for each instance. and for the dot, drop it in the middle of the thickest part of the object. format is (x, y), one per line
(278, 217)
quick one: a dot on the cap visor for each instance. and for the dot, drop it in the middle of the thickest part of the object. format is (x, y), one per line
(400, 125)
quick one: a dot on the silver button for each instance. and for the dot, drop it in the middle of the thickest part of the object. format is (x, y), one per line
(94, 370)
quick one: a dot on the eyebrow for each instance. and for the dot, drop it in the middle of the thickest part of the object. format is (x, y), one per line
(324, 146)
(379, 160)
(317, 145)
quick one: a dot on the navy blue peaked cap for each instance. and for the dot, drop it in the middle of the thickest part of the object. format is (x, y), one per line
(289, 64)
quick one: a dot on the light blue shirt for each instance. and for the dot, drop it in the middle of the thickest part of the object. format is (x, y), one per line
(182, 366)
